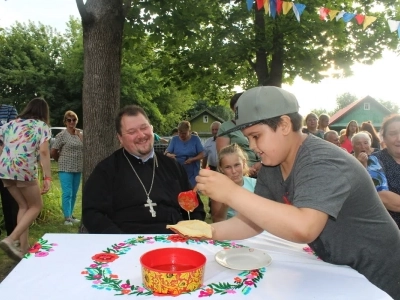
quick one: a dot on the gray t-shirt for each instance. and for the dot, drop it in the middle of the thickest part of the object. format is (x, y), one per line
(359, 232)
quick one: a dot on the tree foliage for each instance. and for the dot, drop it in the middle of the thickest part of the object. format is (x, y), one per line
(219, 44)
(393, 107)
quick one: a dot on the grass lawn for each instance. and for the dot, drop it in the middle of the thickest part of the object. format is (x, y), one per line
(51, 220)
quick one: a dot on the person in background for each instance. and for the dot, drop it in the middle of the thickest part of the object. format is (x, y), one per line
(376, 141)
(332, 137)
(24, 138)
(237, 137)
(323, 122)
(232, 162)
(210, 148)
(174, 131)
(159, 139)
(210, 153)
(389, 158)
(135, 190)
(8, 204)
(187, 149)
(344, 222)
(311, 122)
(345, 139)
(67, 149)
(361, 142)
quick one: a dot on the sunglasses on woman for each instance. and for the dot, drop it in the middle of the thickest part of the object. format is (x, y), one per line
(71, 120)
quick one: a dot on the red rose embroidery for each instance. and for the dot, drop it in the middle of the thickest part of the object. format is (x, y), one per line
(176, 238)
(35, 248)
(105, 257)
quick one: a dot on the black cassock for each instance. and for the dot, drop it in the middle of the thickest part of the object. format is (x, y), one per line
(113, 199)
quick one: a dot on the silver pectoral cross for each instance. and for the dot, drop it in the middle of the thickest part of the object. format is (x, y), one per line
(150, 205)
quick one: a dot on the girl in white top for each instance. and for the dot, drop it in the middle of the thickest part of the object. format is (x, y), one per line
(232, 161)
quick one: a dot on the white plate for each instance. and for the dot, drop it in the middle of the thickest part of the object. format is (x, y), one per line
(243, 258)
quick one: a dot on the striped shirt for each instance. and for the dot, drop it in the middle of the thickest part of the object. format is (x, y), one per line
(7, 113)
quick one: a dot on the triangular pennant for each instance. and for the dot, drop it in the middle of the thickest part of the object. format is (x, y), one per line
(298, 9)
(249, 4)
(333, 14)
(272, 8)
(279, 6)
(266, 6)
(340, 15)
(323, 13)
(393, 25)
(260, 4)
(286, 6)
(368, 20)
(348, 16)
(360, 19)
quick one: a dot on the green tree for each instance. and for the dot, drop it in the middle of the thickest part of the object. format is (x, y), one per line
(31, 64)
(393, 107)
(319, 111)
(343, 100)
(219, 44)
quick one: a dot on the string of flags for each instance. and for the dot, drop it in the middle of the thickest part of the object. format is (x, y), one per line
(274, 7)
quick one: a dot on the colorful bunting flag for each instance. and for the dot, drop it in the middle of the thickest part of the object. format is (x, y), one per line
(368, 20)
(266, 6)
(260, 4)
(298, 9)
(340, 15)
(272, 8)
(393, 25)
(360, 19)
(279, 6)
(286, 6)
(332, 14)
(249, 4)
(348, 16)
(323, 13)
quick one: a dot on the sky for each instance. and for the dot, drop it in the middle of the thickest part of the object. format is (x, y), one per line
(378, 80)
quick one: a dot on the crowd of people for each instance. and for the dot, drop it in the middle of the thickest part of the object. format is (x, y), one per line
(262, 170)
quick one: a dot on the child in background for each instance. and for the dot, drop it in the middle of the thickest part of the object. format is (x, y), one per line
(233, 163)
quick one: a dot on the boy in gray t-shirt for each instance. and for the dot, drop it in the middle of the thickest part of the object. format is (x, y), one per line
(320, 194)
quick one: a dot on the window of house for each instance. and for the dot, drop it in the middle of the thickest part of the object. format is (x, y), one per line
(366, 106)
(205, 119)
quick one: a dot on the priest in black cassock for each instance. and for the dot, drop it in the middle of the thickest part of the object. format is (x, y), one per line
(135, 190)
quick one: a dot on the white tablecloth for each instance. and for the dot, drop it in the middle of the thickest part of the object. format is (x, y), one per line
(61, 264)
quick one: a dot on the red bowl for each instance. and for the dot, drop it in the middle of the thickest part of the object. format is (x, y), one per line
(172, 271)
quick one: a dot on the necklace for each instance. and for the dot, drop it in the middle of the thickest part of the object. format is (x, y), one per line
(149, 202)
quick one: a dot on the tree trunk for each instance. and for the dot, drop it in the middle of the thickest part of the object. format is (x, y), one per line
(271, 75)
(261, 65)
(276, 74)
(102, 23)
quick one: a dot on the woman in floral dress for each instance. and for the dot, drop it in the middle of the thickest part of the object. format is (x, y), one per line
(24, 139)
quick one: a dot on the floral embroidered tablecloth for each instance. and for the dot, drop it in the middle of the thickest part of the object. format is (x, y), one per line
(79, 266)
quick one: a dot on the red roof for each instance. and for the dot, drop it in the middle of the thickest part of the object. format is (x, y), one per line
(344, 111)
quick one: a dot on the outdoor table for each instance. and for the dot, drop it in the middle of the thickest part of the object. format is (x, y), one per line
(94, 266)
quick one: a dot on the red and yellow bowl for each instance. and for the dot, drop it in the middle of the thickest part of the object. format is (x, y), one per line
(172, 271)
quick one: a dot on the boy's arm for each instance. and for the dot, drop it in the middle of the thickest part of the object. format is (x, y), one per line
(300, 225)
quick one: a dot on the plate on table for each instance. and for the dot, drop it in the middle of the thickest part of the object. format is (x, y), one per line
(243, 258)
